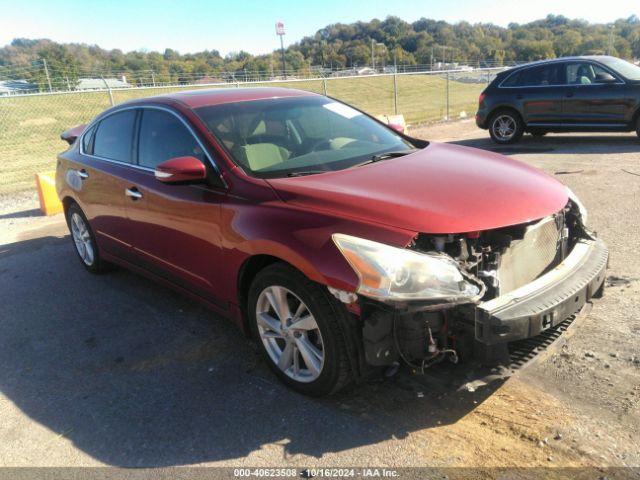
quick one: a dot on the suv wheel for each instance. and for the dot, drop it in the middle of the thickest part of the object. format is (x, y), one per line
(638, 126)
(506, 127)
(297, 325)
(84, 240)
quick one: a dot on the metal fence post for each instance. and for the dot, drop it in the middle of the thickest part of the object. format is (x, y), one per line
(46, 72)
(447, 116)
(395, 94)
(108, 90)
(324, 86)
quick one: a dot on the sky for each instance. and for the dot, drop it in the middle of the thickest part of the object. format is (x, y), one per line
(233, 25)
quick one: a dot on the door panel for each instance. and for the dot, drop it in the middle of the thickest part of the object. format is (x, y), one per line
(542, 104)
(538, 91)
(175, 228)
(586, 100)
(176, 233)
(596, 104)
(103, 201)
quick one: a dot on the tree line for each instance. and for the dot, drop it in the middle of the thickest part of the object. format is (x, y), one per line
(337, 46)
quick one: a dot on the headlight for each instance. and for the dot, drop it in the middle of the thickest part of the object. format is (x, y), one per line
(581, 208)
(390, 273)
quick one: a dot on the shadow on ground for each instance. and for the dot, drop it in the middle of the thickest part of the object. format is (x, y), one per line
(559, 144)
(136, 375)
(36, 212)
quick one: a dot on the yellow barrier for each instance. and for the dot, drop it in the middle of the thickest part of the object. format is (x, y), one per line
(49, 202)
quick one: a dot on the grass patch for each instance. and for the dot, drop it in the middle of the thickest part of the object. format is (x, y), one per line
(30, 126)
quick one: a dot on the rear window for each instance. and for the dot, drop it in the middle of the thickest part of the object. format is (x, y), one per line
(114, 137)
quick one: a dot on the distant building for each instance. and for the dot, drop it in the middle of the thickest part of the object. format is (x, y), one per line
(207, 79)
(11, 87)
(99, 83)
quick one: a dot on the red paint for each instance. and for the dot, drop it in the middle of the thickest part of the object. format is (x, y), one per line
(440, 189)
(73, 133)
(198, 237)
(181, 169)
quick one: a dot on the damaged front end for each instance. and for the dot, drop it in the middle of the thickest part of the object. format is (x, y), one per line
(498, 286)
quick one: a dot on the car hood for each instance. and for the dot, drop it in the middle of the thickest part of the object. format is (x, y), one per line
(442, 188)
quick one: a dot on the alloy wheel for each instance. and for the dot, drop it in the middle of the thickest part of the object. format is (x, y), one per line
(82, 239)
(504, 127)
(290, 334)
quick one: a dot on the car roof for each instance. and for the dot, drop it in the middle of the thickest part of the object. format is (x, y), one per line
(561, 59)
(218, 96)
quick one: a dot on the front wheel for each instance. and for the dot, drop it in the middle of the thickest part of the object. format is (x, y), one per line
(298, 328)
(506, 127)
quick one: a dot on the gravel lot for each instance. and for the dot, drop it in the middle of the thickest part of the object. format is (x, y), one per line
(115, 370)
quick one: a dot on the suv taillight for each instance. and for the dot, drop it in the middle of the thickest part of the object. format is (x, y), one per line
(481, 99)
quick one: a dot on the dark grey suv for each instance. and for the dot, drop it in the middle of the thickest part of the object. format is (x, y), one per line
(573, 94)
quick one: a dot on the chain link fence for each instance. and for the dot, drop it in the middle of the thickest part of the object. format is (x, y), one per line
(30, 125)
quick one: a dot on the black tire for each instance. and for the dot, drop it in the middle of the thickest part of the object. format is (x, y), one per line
(329, 315)
(95, 264)
(511, 118)
(638, 126)
(538, 133)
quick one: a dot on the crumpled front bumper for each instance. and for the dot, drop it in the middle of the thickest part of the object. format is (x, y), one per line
(547, 301)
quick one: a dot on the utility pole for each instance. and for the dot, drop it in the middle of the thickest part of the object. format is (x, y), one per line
(373, 57)
(610, 46)
(46, 72)
(153, 78)
(280, 33)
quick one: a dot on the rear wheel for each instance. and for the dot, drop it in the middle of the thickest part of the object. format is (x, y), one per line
(298, 328)
(84, 241)
(638, 126)
(506, 127)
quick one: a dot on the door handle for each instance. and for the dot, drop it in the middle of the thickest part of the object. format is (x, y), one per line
(83, 174)
(569, 94)
(133, 193)
(519, 97)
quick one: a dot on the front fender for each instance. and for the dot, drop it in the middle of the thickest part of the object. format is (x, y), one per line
(299, 237)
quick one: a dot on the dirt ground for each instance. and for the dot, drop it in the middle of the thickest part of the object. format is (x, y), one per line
(114, 370)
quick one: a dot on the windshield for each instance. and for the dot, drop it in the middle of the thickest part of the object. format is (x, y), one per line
(297, 135)
(624, 68)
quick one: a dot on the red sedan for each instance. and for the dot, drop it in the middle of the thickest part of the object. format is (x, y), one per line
(343, 246)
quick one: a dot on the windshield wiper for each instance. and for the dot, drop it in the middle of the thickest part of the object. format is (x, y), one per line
(385, 156)
(302, 173)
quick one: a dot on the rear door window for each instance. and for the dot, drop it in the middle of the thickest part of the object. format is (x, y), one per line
(162, 137)
(87, 141)
(114, 137)
(544, 75)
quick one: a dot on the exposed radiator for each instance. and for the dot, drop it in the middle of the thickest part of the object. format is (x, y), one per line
(527, 258)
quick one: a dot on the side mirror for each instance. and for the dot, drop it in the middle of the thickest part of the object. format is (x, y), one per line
(181, 170)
